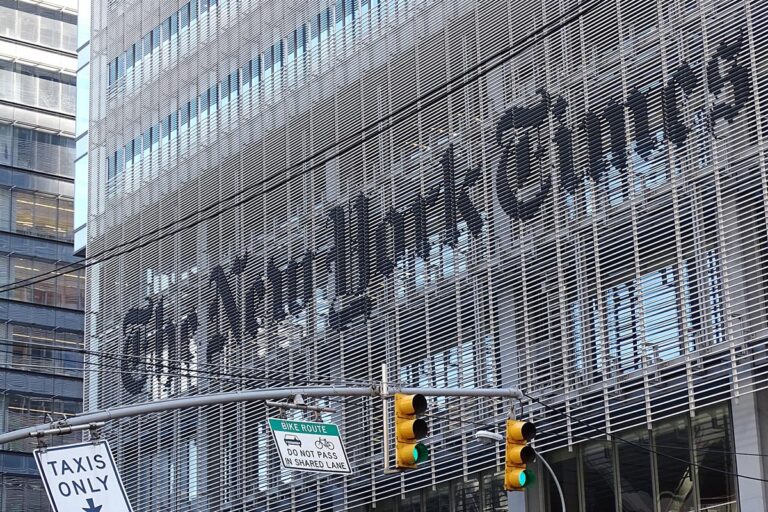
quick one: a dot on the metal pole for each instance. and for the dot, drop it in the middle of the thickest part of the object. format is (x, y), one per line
(554, 477)
(385, 416)
(243, 396)
(65, 430)
(476, 392)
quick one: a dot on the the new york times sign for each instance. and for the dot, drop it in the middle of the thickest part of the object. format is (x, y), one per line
(237, 314)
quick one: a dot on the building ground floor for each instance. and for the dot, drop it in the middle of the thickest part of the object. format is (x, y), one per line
(710, 461)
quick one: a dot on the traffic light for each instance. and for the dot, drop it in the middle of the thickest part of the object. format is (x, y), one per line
(409, 429)
(518, 454)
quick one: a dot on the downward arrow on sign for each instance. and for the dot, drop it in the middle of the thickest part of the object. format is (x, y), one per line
(92, 506)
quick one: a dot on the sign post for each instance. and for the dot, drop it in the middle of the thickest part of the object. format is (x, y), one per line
(82, 477)
(309, 446)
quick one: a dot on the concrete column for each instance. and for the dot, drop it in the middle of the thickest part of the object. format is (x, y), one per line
(750, 420)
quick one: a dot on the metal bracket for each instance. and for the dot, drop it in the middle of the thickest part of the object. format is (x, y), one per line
(299, 404)
(93, 432)
(41, 444)
(386, 394)
(61, 428)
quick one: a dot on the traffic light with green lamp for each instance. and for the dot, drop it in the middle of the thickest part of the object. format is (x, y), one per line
(518, 454)
(409, 428)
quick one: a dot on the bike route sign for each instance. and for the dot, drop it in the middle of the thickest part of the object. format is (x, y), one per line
(309, 446)
(81, 477)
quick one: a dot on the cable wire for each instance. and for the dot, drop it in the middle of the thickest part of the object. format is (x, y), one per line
(172, 363)
(527, 40)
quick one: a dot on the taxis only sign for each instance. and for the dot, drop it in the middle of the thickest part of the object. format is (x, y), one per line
(310, 446)
(82, 477)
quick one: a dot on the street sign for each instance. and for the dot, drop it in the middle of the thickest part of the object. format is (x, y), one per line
(82, 477)
(309, 446)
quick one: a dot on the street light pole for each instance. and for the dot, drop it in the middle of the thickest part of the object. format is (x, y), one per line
(557, 482)
(170, 404)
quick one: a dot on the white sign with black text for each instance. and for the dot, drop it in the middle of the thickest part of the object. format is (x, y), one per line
(310, 446)
(82, 477)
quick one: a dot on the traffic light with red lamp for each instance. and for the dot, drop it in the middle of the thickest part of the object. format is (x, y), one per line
(409, 428)
(517, 454)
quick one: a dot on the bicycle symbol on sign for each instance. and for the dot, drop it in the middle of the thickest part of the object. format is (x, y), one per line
(323, 443)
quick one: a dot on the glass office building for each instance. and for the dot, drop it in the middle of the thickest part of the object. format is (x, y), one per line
(41, 325)
(565, 197)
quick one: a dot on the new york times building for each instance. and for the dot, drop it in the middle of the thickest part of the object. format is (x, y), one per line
(565, 197)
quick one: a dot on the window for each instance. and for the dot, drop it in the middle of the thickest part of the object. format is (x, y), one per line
(46, 216)
(622, 469)
(65, 290)
(166, 30)
(43, 349)
(130, 57)
(225, 84)
(184, 16)
(24, 212)
(39, 87)
(39, 24)
(192, 470)
(155, 38)
(713, 440)
(623, 336)
(661, 315)
(147, 44)
(599, 494)
(675, 477)
(174, 21)
(70, 292)
(565, 466)
(26, 411)
(22, 493)
(273, 60)
(213, 97)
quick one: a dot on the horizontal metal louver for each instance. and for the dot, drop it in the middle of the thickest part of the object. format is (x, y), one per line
(582, 216)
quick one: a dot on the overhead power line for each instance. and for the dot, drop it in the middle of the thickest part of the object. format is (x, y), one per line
(175, 365)
(368, 132)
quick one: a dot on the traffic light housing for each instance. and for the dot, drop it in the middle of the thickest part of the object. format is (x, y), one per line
(517, 454)
(409, 428)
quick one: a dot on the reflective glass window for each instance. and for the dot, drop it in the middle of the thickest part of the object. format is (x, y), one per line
(71, 293)
(24, 212)
(713, 439)
(5, 209)
(184, 16)
(635, 475)
(674, 474)
(565, 466)
(599, 494)
(38, 24)
(46, 216)
(438, 499)
(155, 38)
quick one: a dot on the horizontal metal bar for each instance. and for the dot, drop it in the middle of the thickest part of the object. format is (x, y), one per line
(474, 392)
(58, 431)
(282, 405)
(193, 401)
(243, 396)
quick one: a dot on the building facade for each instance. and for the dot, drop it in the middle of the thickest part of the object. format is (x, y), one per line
(41, 325)
(565, 197)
